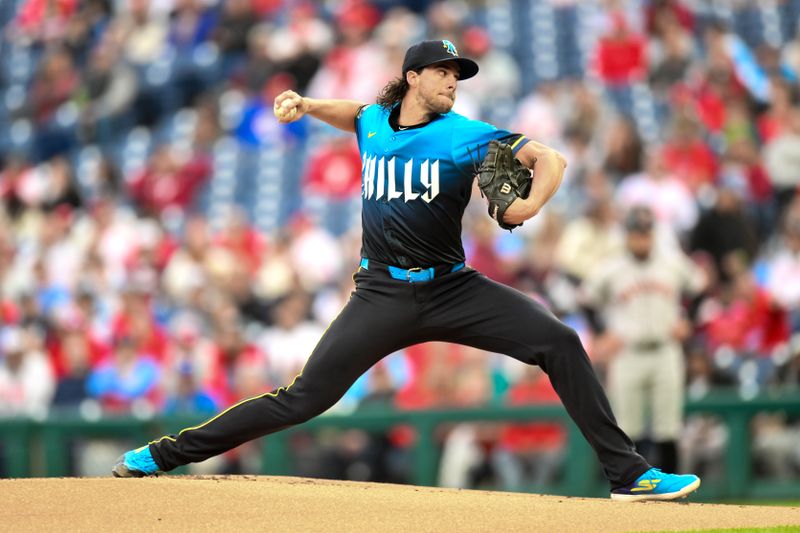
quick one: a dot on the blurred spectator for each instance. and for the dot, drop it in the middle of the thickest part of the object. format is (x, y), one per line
(191, 24)
(13, 173)
(49, 185)
(188, 397)
(783, 279)
(781, 161)
(528, 456)
(170, 180)
(26, 379)
(370, 456)
(135, 320)
(743, 171)
(775, 446)
(258, 126)
(71, 389)
(54, 84)
(464, 463)
(242, 240)
(124, 378)
(293, 52)
(538, 115)
(71, 340)
(726, 228)
(235, 22)
(587, 117)
(291, 338)
(688, 157)
(43, 20)
(620, 59)
(500, 78)
(704, 439)
(592, 237)
(672, 52)
(185, 270)
(108, 89)
(88, 27)
(142, 33)
(429, 382)
(237, 369)
(318, 252)
(661, 191)
(483, 252)
(335, 170)
(777, 118)
(446, 20)
(624, 150)
(744, 322)
(355, 68)
(663, 14)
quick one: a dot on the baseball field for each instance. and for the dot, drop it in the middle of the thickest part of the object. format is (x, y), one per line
(255, 503)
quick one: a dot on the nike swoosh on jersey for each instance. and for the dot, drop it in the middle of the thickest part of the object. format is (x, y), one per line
(371, 134)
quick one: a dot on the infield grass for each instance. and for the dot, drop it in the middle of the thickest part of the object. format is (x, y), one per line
(778, 529)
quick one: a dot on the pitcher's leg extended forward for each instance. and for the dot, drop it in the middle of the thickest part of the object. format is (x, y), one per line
(366, 330)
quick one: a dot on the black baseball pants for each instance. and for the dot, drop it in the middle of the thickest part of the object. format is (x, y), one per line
(384, 315)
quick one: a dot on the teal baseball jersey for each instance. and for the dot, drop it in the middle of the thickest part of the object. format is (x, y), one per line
(416, 183)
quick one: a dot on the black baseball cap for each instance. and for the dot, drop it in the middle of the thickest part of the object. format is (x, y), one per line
(429, 53)
(639, 219)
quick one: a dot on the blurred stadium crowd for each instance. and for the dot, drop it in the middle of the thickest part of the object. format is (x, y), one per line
(166, 246)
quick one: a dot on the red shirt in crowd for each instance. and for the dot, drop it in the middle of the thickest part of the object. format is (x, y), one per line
(335, 170)
(222, 377)
(621, 55)
(693, 163)
(96, 352)
(246, 243)
(536, 436)
(754, 325)
(152, 340)
(33, 14)
(155, 190)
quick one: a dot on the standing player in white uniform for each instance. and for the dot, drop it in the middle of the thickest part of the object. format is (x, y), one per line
(638, 295)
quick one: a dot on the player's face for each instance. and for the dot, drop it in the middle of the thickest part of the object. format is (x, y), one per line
(640, 243)
(437, 87)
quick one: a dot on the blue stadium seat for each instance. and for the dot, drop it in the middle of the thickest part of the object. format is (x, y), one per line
(789, 15)
(568, 48)
(269, 197)
(748, 24)
(135, 150)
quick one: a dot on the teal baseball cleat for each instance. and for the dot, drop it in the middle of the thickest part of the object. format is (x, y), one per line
(657, 485)
(136, 463)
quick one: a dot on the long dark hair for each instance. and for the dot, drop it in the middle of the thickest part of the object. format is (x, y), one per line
(393, 92)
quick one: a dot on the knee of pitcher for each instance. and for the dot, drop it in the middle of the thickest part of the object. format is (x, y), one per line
(566, 344)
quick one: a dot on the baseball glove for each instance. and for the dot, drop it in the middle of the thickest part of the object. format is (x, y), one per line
(502, 179)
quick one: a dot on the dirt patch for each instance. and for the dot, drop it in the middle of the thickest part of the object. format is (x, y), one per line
(228, 503)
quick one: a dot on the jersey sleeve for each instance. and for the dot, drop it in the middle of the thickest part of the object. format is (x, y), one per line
(471, 138)
(361, 119)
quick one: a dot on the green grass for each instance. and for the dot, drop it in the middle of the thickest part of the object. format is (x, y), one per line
(778, 529)
(776, 503)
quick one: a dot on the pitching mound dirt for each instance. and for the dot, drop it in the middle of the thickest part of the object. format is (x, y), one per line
(250, 503)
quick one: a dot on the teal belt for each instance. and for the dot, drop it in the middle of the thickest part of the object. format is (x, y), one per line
(412, 275)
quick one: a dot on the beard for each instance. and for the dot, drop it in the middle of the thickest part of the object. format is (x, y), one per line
(437, 103)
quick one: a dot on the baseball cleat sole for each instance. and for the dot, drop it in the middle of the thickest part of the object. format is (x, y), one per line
(121, 470)
(685, 491)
